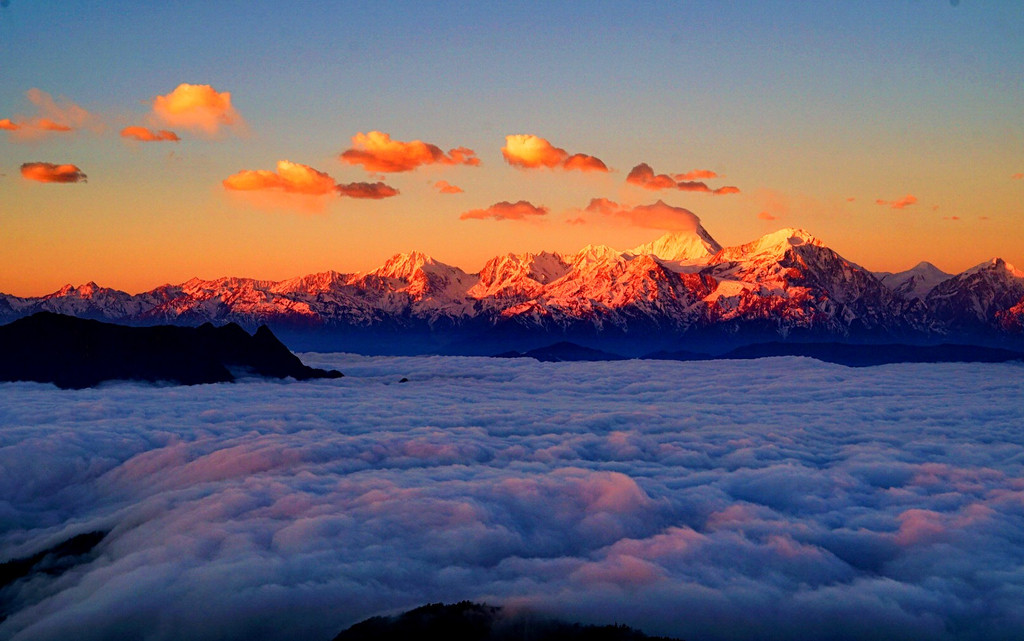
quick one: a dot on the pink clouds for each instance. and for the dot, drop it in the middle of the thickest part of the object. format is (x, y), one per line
(643, 176)
(290, 177)
(45, 172)
(198, 108)
(373, 191)
(527, 151)
(906, 201)
(656, 216)
(295, 178)
(444, 187)
(377, 151)
(142, 134)
(505, 210)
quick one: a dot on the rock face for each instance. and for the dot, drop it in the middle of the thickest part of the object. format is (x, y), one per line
(468, 621)
(76, 353)
(683, 291)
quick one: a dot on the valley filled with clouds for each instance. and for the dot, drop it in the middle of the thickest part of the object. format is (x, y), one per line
(781, 498)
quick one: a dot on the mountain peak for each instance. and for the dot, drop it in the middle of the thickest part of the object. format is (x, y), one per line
(996, 265)
(693, 246)
(403, 266)
(775, 243)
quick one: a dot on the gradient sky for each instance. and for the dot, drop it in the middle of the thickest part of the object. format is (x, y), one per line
(824, 115)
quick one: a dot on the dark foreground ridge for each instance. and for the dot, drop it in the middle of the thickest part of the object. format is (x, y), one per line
(74, 353)
(467, 621)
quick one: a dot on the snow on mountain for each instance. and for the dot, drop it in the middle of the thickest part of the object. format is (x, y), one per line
(914, 283)
(686, 248)
(785, 282)
(974, 299)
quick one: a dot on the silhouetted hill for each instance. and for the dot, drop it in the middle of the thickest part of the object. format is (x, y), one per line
(466, 621)
(564, 351)
(75, 353)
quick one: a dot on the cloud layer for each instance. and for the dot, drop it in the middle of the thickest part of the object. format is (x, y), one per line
(377, 152)
(505, 210)
(144, 134)
(532, 152)
(46, 172)
(717, 500)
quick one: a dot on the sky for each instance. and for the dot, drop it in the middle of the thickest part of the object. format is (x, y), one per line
(149, 143)
(776, 498)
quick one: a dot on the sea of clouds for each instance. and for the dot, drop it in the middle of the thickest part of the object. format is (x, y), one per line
(778, 498)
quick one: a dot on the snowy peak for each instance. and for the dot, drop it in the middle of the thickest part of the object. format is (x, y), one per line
(997, 266)
(773, 244)
(916, 282)
(692, 247)
(596, 254)
(311, 284)
(404, 266)
(518, 275)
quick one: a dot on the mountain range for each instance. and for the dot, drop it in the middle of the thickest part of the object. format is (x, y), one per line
(683, 291)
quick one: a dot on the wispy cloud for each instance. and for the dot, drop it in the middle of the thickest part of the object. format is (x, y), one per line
(445, 187)
(143, 134)
(376, 151)
(527, 151)
(46, 172)
(52, 116)
(900, 203)
(505, 210)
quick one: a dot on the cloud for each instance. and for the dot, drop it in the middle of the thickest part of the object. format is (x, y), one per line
(1019, 176)
(778, 497)
(45, 172)
(764, 215)
(142, 134)
(377, 152)
(291, 177)
(906, 201)
(445, 187)
(532, 152)
(197, 108)
(505, 210)
(52, 116)
(655, 216)
(643, 175)
(375, 191)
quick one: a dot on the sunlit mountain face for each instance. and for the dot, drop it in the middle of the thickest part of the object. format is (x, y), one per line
(683, 290)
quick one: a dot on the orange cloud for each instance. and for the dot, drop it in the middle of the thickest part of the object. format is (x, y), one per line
(197, 107)
(376, 151)
(291, 177)
(906, 201)
(506, 211)
(375, 191)
(643, 176)
(1017, 176)
(7, 125)
(764, 215)
(445, 187)
(657, 216)
(142, 134)
(532, 152)
(46, 172)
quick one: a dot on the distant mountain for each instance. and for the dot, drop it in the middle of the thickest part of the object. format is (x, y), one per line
(468, 621)
(75, 353)
(564, 351)
(683, 291)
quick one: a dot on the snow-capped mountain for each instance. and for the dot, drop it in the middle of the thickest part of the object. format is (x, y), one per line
(914, 283)
(683, 290)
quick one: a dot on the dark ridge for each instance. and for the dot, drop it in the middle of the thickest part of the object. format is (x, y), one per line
(467, 621)
(869, 355)
(53, 561)
(75, 353)
(564, 351)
